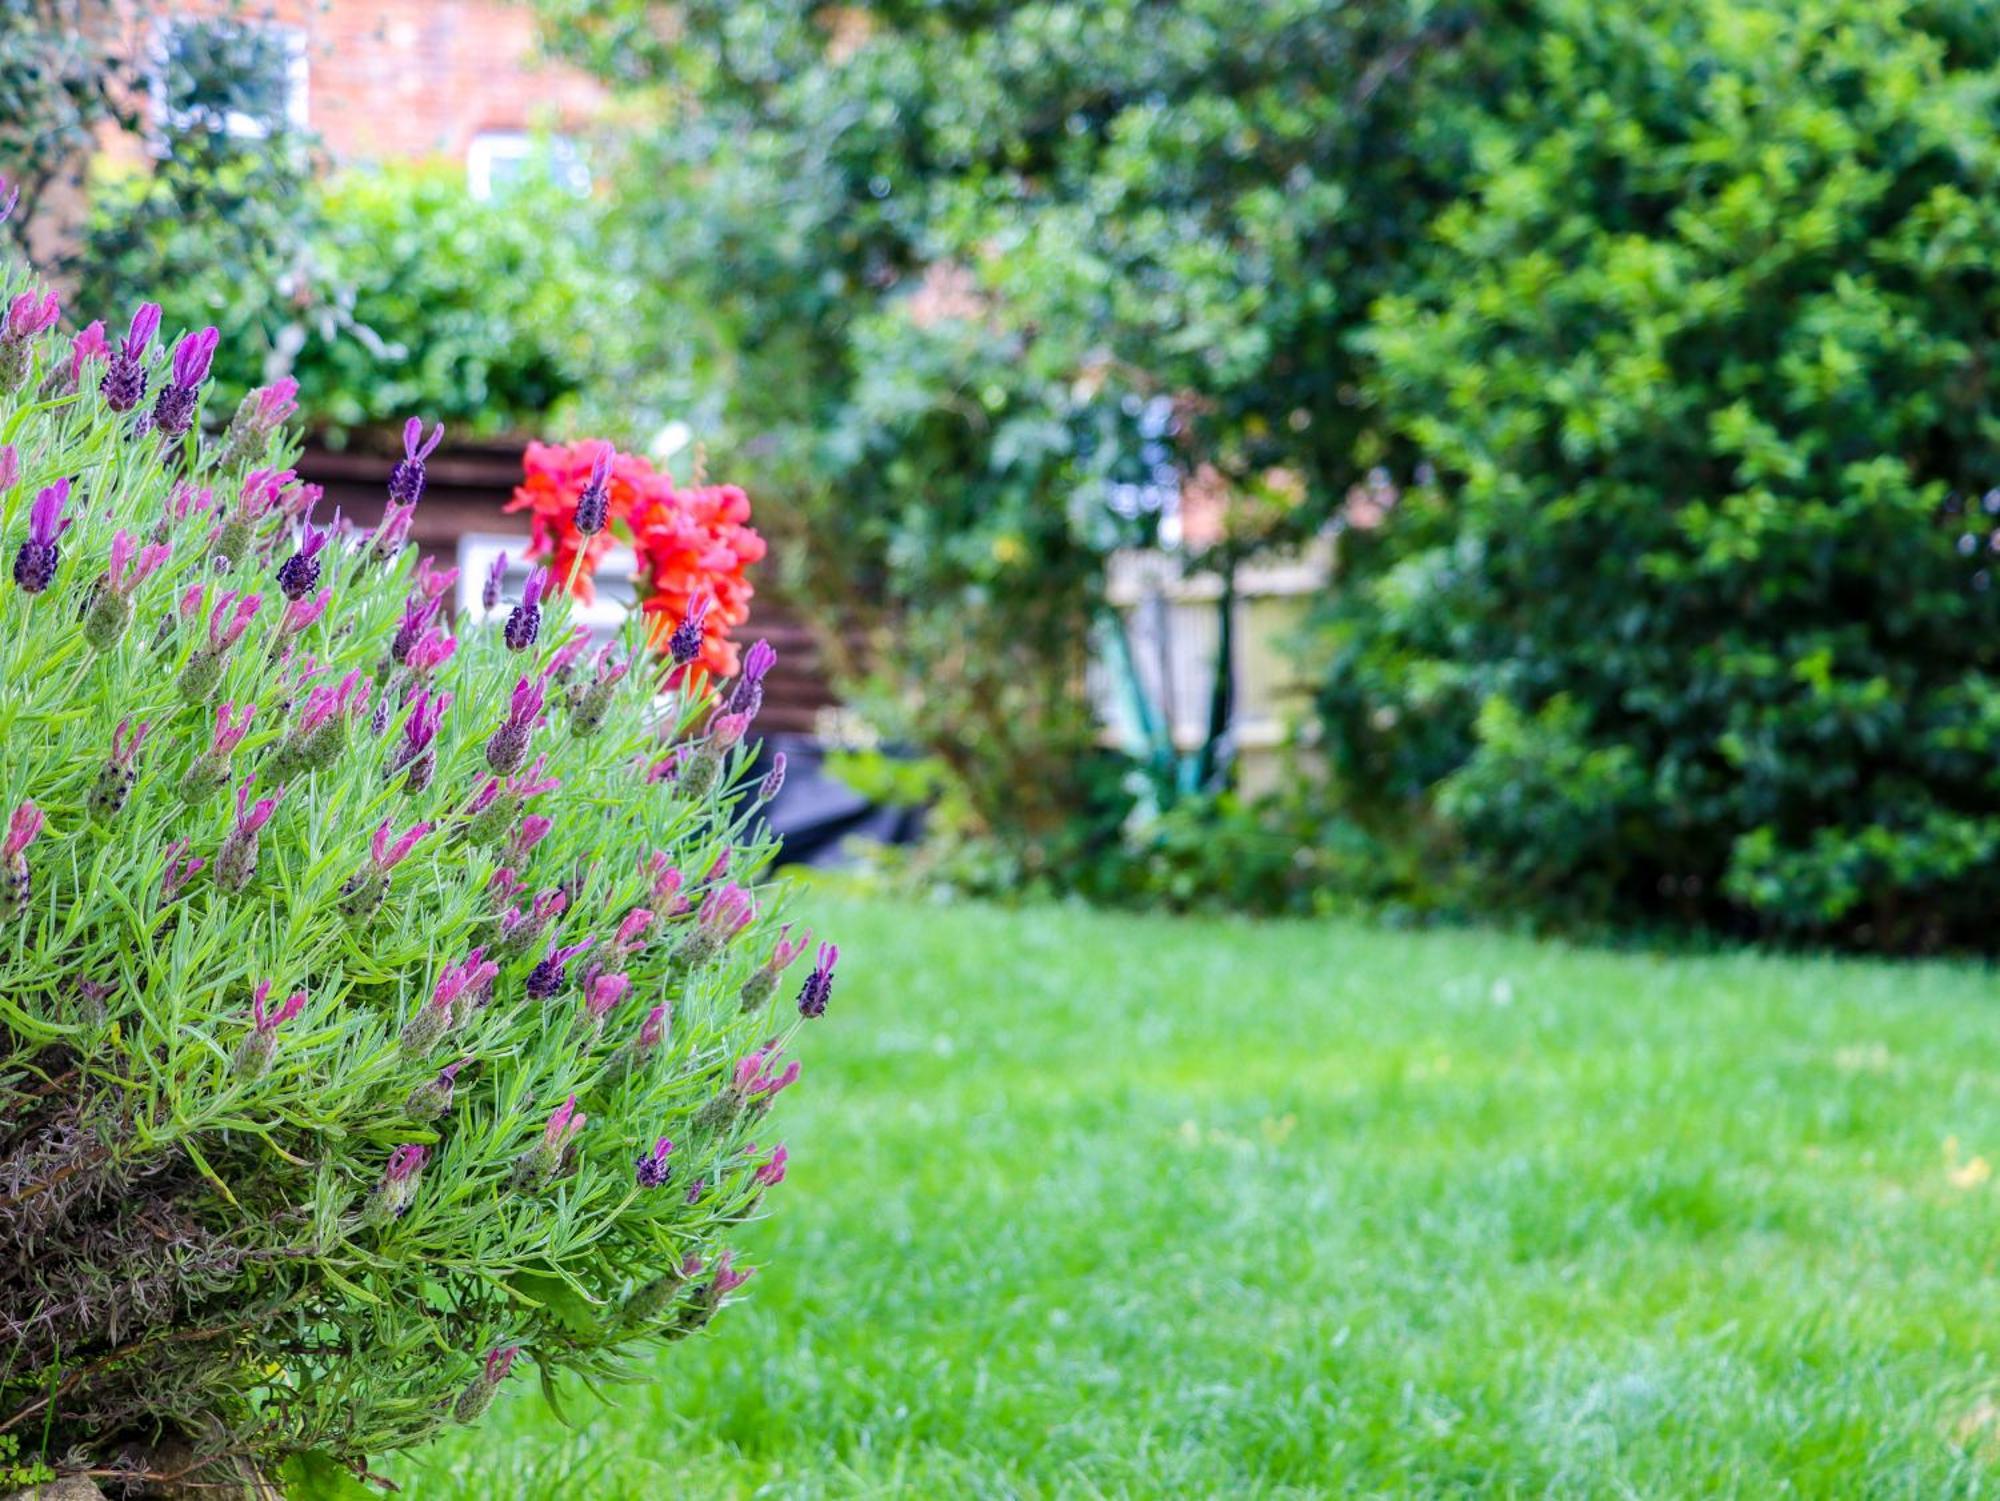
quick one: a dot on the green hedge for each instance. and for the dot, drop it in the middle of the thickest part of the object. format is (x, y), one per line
(380, 290)
(1683, 627)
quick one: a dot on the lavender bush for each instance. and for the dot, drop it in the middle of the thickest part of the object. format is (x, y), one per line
(381, 1013)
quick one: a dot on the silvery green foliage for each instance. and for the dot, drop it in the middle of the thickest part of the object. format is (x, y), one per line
(337, 1074)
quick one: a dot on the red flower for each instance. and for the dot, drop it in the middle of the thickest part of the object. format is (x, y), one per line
(690, 544)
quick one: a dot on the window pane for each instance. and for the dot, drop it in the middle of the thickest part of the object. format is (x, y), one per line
(217, 71)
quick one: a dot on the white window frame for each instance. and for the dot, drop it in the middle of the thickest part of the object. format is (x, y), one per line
(489, 148)
(297, 83)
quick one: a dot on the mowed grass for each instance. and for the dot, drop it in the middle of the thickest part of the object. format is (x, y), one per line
(1096, 1205)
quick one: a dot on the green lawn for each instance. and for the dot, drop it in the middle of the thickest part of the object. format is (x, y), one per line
(1089, 1205)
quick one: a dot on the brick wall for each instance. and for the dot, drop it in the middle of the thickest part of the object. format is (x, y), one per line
(411, 78)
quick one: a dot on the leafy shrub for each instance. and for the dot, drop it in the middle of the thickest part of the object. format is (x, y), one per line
(377, 291)
(373, 1016)
(1701, 357)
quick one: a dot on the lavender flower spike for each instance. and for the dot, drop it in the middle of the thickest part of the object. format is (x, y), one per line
(595, 501)
(416, 753)
(35, 563)
(747, 697)
(507, 748)
(253, 1056)
(406, 480)
(236, 861)
(555, 1154)
(173, 413)
(684, 645)
(298, 575)
(116, 776)
(818, 989)
(774, 780)
(21, 321)
(476, 1398)
(260, 414)
(546, 978)
(16, 883)
(110, 613)
(432, 1098)
(654, 1171)
(393, 1195)
(524, 622)
(496, 575)
(124, 383)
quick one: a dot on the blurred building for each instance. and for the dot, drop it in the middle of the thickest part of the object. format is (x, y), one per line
(376, 79)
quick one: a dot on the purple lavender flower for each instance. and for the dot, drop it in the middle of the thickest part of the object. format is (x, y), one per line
(667, 883)
(724, 913)
(364, 892)
(181, 868)
(630, 937)
(471, 979)
(89, 346)
(654, 1171)
(818, 988)
(747, 697)
(546, 978)
(393, 1195)
(684, 645)
(10, 194)
(432, 1098)
(35, 563)
(391, 532)
(508, 745)
(173, 413)
(727, 1279)
(210, 770)
(591, 703)
(496, 575)
(554, 1155)
(432, 581)
(595, 501)
(116, 776)
(236, 861)
(418, 613)
(524, 622)
(533, 830)
(774, 780)
(432, 651)
(387, 852)
(772, 1172)
(298, 575)
(253, 1056)
(406, 480)
(602, 993)
(417, 754)
(16, 882)
(110, 612)
(566, 654)
(28, 315)
(124, 383)
(21, 321)
(476, 1398)
(225, 628)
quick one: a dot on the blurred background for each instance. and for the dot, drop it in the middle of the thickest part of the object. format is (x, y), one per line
(1440, 457)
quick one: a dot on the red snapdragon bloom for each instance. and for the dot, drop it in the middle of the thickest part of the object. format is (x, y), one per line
(692, 545)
